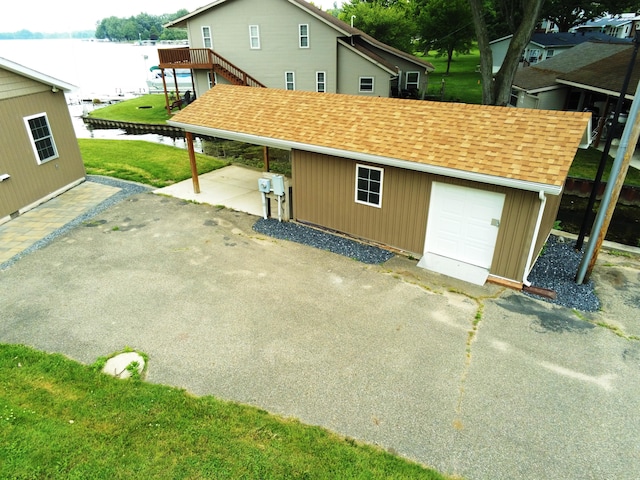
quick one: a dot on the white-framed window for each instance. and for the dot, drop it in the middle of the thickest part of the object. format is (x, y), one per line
(207, 41)
(254, 37)
(412, 80)
(321, 82)
(366, 84)
(44, 146)
(211, 79)
(289, 81)
(550, 52)
(533, 55)
(513, 99)
(369, 185)
(303, 31)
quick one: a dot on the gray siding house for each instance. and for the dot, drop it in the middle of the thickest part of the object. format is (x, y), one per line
(292, 45)
(40, 154)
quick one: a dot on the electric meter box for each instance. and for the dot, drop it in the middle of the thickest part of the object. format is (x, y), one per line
(264, 185)
(278, 184)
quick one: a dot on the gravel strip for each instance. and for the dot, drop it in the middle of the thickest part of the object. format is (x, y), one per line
(126, 190)
(322, 240)
(556, 270)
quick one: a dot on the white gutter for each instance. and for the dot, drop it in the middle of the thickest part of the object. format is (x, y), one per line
(593, 89)
(543, 202)
(367, 157)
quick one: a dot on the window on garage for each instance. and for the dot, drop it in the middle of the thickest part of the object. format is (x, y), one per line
(369, 185)
(44, 146)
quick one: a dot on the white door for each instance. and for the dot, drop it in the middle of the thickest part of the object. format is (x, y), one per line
(462, 230)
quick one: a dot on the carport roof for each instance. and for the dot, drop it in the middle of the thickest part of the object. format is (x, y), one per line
(520, 148)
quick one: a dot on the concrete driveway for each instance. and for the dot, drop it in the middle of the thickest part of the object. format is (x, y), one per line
(386, 354)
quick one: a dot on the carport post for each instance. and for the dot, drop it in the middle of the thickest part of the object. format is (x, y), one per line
(192, 161)
(266, 158)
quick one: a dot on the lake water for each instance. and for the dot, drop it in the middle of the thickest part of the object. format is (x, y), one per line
(101, 70)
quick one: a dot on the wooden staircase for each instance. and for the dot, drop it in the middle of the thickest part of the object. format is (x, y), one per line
(205, 59)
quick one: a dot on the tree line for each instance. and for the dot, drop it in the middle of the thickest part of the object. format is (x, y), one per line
(140, 27)
(454, 26)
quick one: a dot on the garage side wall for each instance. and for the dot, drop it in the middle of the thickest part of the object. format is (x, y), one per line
(29, 180)
(324, 195)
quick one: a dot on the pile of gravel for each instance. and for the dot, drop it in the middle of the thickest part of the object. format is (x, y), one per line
(126, 190)
(556, 270)
(322, 240)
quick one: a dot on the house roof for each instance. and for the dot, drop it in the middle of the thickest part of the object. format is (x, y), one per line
(14, 67)
(520, 148)
(344, 29)
(610, 20)
(606, 75)
(566, 39)
(543, 75)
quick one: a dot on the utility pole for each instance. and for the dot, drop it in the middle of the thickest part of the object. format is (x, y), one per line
(607, 146)
(618, 173)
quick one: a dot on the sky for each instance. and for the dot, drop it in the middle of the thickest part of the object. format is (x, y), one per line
(52, 16)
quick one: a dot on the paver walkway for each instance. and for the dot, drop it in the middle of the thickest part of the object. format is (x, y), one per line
(20, 233)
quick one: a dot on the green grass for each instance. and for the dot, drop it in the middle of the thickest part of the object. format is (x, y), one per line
(585, 165)
(130, 111)
(61, 419)
(462, 83)
(140, 161)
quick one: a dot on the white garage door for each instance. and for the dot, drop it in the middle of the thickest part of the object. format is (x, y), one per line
(462, 230)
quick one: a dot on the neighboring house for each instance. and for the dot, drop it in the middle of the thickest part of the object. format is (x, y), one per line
(542, 46)
(40, 154)
(620, 26)
(588, 77)
(292, 45)
(472, 189)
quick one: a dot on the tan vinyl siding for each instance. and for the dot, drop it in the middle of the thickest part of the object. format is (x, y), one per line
(29, 181)
(279, 50)
(548, 219)
(13, 85)
(324, 194)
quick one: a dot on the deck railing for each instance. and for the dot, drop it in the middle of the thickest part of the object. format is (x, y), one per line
(205, 58)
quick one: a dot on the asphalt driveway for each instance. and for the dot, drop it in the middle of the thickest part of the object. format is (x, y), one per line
(386, 354)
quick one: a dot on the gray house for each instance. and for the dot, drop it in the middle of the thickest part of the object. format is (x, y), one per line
(292, 45)
(40, 154)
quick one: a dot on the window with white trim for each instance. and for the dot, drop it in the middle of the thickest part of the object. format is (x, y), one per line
(366, 84)
(412, 81)
(44, 146)
(369, 185)
(207, 41)
(303, 32)
(321, 82)
(289, 81)
(211, 79)
(254, 37)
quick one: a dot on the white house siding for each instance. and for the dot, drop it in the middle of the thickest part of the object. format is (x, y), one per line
(279, 51)
(352, 66)
(552, 99)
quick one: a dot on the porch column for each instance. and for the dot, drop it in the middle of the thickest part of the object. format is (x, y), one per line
(192, 161)
(266, 158)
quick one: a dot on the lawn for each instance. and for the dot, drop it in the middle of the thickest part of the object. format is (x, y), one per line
(62, 419)
(462, 84)
(141, 161)
(585, 165)
(135, 110)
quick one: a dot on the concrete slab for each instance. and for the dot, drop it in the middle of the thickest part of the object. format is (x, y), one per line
(234, 186)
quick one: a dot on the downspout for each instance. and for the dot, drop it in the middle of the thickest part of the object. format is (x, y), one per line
(543, 202)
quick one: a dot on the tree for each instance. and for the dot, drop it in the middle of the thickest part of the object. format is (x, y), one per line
(570, 13)
(521, 16)
(386, 21)
(445, 26)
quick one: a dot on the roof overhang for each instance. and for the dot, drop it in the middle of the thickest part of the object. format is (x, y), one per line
(365, 157)
(591, 88)
(35, 75)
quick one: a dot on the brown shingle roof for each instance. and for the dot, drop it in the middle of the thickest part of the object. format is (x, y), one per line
(535, 146)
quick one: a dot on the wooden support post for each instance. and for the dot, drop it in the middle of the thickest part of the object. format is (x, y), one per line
(192, 161)
(266, 158)
(166, 94)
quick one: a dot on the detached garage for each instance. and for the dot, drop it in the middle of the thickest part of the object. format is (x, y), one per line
(472, 190)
